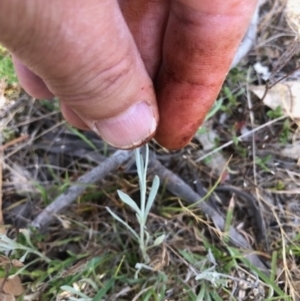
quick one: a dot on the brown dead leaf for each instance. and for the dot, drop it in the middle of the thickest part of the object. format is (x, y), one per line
(207, 140)
(291, 151)
(12, 286)
(22, 179)
(285, 95)
(7, 297)
(17, 263)
(5, 261)
(161, 260)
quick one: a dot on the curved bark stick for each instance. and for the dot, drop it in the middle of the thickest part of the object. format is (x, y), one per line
(71, 194)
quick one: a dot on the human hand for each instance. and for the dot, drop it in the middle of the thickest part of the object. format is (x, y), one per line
(101, 58)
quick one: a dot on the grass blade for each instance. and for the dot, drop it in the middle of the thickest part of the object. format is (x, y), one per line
(104, 290)
(84, 138)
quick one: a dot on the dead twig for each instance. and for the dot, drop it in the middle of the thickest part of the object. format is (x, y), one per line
(71, 194)
(19, 103)
(13, 142)
(240, 138)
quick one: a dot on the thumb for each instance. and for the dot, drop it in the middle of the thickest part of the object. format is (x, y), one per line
(85, 55)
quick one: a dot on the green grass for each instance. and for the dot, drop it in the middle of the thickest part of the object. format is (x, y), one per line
(107, 268)
(7, 71)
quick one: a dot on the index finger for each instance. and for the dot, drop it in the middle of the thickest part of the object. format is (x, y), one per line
(200, 42)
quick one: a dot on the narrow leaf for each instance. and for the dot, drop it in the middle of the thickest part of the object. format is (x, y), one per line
(23, 258)
(116, 217)
(26, 234)
(201, 294)
(74, 291)
(138, 163)
(147, 237)
(129, 201)
(139, 218)
(152, 194)
(159, 240)
(103, 291)
(146, 157)
(142, 167)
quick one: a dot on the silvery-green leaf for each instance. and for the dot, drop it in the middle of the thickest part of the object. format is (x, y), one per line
(90, 282)
(147, 237)
(4, 247)
(142, 162)
(208, 297)
(208, 274)
(201, 294)
(152, 194)
(129, 201)
(211, 257)
(138, 268)
(74, 291)
(116, 217)
(26, 234)
(23, 258)
(139, 163)
(139, 218)
(146, 157)
(7, 243)
(159, 240)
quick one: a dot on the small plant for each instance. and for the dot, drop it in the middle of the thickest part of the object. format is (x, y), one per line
(7, 244)
(273, 114)
(263, 162)
(142, 213)
(209, 280)
(284, 135)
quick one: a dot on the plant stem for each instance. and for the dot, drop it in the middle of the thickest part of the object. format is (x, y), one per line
(143, 192)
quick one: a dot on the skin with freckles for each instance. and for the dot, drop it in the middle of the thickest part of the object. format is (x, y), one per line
(127, 69)
(199, 45)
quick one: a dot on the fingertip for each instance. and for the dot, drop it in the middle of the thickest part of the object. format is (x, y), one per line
(181, 117)
(131, 128)
(72, 117)
(200, 42)
(30, 82)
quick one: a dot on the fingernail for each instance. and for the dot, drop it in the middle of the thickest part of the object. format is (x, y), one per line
(129, 129)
